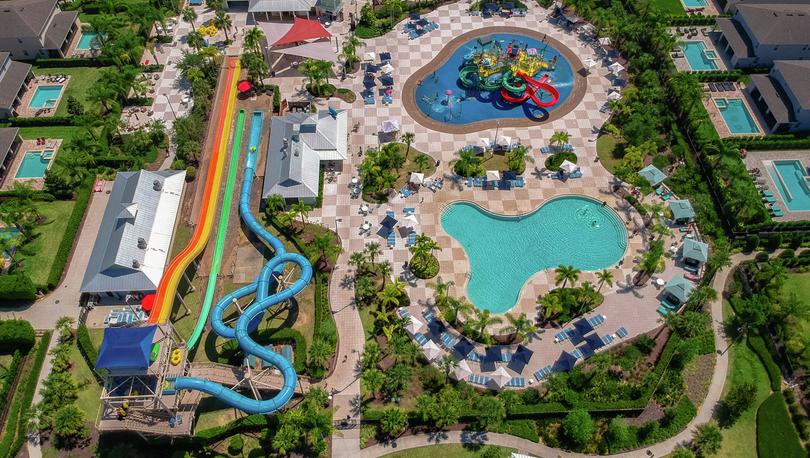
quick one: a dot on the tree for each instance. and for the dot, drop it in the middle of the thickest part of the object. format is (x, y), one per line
(319, 352)
(59, 389)
(393, 420)
(8, 247)
(552, 305)
(578, 427)
(491, 411)
(560, 138)
(349, 51)
(389, 296)
(422, 161)
(373, 381)
(255, 65)
(458, 306)
(739, 399)
(564, 274)
(701, 296)
(252, 40)
(274, 203)
(358, 260)
(447, 363)
(618, 435)
(189, 15)
(707, 439)
(468, 164)
(286, 438)
(689, 324)
(74, 106)
(720, 257)
(396, 378)
(69, 425)
(216, 5)
(223, 22)
(60, 358)
(372, 251)
(407, 138)
(327, 247)
(195, 40)
(483, 319)
(302, 209)
(517, 158)
(682, 453)
(604, 277)
(520, 326)
(441, 290)
(64, 326)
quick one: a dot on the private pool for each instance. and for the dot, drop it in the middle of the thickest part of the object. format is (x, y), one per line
(693, 3)
(736, 115)
(46, 96)
(34, 164)
(504, 251)
(698, 57)
(88, 41)
(791, 182)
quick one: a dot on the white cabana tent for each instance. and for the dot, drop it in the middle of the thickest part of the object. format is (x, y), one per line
(614, 95)
(504, 141)
(369, 57)
(389, 126)
(493, 175)
(485, 143)
(616, 67)
(500, 377)
(416, 178)
(410, 221)
(589, 63)
(414, 325)
(568, 166)
(432, 351)
(387, 68)
(604, 41)
(463, 370)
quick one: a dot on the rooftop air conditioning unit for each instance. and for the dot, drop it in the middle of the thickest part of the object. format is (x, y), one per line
(136, 264)
(157, 185)
(141, 243)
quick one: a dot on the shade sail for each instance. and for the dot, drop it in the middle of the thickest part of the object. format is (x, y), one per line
(604, 41)
(389, 221)
(522, 354)
(303, 30)
(126, 348)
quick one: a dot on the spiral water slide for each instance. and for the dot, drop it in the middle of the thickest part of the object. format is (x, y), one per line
(164, 298)
(267, 279)
(532, 87)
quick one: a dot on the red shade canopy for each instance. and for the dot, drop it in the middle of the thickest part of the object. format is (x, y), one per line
(148, 302)
(303, 30)
(243, 86)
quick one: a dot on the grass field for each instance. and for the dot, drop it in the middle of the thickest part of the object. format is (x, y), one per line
(63, 132)
(605, 147)
(81, 79)
(776, 435)
(799, 283)
(89, 392)
(669, 7)
(449, 451)
(37, 256)
(740, 440)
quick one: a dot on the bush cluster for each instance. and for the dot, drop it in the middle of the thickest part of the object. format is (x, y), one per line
(16, 335)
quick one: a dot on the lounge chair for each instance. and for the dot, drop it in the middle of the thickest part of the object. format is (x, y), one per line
(405, 191)
(429, 316)
(577, 353)
(420, 338)
(403, 313)
(767, 193)
(769, 199)
(560, 336)
(543, 373)
(411, 241)
(392, 239)
(622, 332)
(516, 382)
(663, 310)
(607, 339)
(408, 210)
(479, 379)
(448, 340)
(473, 356)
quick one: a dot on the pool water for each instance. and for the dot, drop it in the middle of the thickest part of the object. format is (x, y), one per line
(504, 251)
(791, 182)
(33, 165)
(468, 105)
(698, 58)
(88, 41)
(45, 97)
(736, 115)
(693, 3)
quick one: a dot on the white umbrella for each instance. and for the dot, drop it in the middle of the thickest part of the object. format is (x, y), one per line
(369, 57)
(417, 178)
(391, 125)
(589, 63)
(387, 68)
(604, 41)
(614, 95)
(410, 221)
(414, 325)
(485, 143)
(493, 175)
(463, 370)
(500, 377)
(615, 67)
(432, 351)
(504, 141)
(568, 166)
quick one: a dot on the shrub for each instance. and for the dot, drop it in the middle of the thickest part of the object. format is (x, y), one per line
(8, 380)
(740, 398)
(235, 445)
(191, 173)
(41, 121)
(553, 162)
(17, 287)
(72, 229)
(88, 350)
(16, 335)
(757, 344)
(644, 343)
(775, 433)
(578, 427)
(178, 164)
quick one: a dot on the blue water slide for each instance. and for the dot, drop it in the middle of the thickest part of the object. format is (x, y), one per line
(263, 301)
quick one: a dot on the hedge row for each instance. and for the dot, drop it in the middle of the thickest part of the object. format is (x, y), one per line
(776, 435)
(74, 221)
(719, 75)
(17, 286)
(287, 336)
(16, 335)
(251, 423)
(14, 434)
(47, 62)
(41, 121)
(88, 350)
(8, 382)
(36, 195)
(678, 20)
(763, 144)
(757, 344)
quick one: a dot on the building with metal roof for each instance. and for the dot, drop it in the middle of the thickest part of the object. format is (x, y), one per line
(14, 78)
(652, 175)
(299, 142)
(679, 289)
(36, 28)
(10, 142)
(694, 252)
(682, 211)
(268, 9)
(135, 236)
(759, 34)
(783, 95)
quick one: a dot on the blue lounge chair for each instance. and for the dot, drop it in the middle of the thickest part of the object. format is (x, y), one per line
(663, 310)
(405, 191)
(408, 210)
(622, 333)
(392, 239)
(770, 200)
(369, 100)
(520, 182)
(516, 382)
(576, 174)
(448, 340)
(561, 336)
(403, 313)
(767, 193)
(469, 182)
(607, 339)
(506, 356)
(596, 320)
(479, 379)
(577, 353)
(411, 241)
(420, 338)
(390, 213)
(473, 356)
(429, 316)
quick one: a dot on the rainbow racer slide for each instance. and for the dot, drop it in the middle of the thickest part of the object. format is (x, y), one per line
(263, 301)
(532, 87)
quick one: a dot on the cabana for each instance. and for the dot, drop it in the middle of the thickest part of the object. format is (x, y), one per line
(568, 167)
(414, 325)
(616, 68)
(654, 176)
(390, 126)
(126, 349)
(694, 253)
(416, 178)
(682, 211)
(678, 289)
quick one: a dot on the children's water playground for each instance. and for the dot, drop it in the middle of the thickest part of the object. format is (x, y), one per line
(497, 77)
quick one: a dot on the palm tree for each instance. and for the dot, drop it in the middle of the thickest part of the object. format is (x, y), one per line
(407, 138)
(319, 351)
(518, 157)
(660, 230)
(384, 269)
(441, 290)
(255, 65)
(560, 138)
(301, 209)
(585, 295)
(389, 296)
(189, 15)
(564, 274)
(252, 40)
(552, 305)
(274, 203)
(223, 22)
(422, 161)
(327, 247)
(64, 326)
(720, 258)
(372, 251)
(195, 40)
(458, 306)
(447, 363)
(468, 163)
(520, 326)
(701, 296)
(357, 259)
(604, 276)
(483, 319)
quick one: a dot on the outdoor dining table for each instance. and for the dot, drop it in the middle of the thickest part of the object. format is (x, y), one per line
(355, 180)
(366, 226)
(364, 208)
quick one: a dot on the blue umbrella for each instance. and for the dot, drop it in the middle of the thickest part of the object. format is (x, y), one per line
(565, 362)
(583, 326)
(389, 221)
(522, 354)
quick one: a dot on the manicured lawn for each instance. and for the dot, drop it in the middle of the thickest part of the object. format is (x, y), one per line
(81, 79)
(605, 147)
(799, 283)
(447, 451)
(37, 256)
(776, 435)
(411, 167)
(89, 389)
(668, 6)
(63, 132)
(739, 440)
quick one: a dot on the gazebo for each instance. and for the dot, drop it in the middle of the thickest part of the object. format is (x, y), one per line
(678, 289)
(694, 253)
(682, 211)
(654, 176)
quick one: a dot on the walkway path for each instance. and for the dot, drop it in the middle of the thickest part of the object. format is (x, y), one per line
(705, 411)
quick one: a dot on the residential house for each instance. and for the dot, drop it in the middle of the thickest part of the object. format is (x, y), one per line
(759, 34)
(783, 95)
(14, 79)
(36, 28)
(10, 142)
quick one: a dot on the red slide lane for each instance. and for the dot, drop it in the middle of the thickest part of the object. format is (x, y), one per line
(532, 86)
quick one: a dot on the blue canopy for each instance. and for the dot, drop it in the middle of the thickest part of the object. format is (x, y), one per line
(583, 326)
(565, 362)
(126, 348)
(522, 354)
(652, 175)
(594, 341)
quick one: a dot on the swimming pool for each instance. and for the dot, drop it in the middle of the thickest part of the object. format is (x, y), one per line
(46, 96)
(504, 251)
(34, 164)
(88, 41)
(693, 3)
(442, 97)
(791, 182)
(698, 57)
(736, 115)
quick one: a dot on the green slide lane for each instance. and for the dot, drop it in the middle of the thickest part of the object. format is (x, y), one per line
(222, 231)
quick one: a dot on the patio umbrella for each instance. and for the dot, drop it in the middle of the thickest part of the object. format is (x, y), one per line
(485, 142)
(565, 362)
(504, 141)
(416, 178)
(463, 370)
(244, 86)
(493, 175)
(616, 67)
(522, 354)
(414, 325)
(385, 56)
(369, 57)
(411, 221)
(389, 221)
(389, 126)
(568, 166)
(500, 377)
(583, 326)
(589, 63)
(464, 347)
(604, 41)
(387, 68)
(431, 350)
(614, 95)
(148, 302)
(594, 341)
